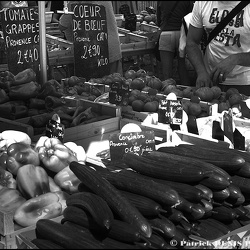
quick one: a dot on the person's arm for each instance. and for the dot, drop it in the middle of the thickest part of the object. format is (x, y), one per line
(220, 72)
(193, 48)
(242, 59)
(195, 55)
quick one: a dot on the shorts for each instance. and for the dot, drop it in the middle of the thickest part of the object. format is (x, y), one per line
(169, 41)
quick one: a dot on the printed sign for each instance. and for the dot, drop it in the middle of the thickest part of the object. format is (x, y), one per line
(21, 36)
(138, 143)
(90, 36)
(170, 112)
(119, 94)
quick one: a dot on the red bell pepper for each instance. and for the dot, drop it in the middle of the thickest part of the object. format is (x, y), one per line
(20, 154)
(6, 179)
(10, 199)
(32, 181)
(3, 160)
(54, 155)
(45, 206)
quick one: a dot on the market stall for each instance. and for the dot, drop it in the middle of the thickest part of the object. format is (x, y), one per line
(118, 161)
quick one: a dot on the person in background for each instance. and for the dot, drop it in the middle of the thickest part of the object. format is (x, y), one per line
(227, 57)
(114, 46)
(56, 5)
(169, 20)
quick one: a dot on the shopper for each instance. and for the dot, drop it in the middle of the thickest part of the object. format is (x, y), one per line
(56, 5)
(227, 57)
(115, 55)
(169, 19)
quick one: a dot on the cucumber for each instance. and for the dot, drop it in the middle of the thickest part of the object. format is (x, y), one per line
(117, 202)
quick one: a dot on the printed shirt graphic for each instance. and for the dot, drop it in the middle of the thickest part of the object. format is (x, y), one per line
(234, 38)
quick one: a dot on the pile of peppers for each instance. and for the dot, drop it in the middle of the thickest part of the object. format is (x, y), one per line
(35, 180)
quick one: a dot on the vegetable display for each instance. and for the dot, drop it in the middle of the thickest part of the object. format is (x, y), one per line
(124, 205)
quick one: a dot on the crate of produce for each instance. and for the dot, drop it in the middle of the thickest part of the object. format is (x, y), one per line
(15, 237)
(6, 124)
(107, 121)
(148, 30)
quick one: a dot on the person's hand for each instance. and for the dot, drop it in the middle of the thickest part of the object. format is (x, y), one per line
(220, 72)
(203, 80)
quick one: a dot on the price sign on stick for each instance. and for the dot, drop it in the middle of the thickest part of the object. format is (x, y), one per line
(138, 143)
(21, 36)
(170, 112)
(90, 36)
(119, 94)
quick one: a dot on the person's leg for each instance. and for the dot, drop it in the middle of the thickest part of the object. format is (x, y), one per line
(181, 67)
(167, 49)
(183, 72)
(167, 59)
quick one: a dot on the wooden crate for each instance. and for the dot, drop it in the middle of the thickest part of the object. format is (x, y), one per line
(149, 31)
(197, 140)
(15, 236)
(6, 124)
(81, 132)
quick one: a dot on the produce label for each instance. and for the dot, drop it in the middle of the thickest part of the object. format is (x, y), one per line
(119, 94)
(21, 36)
(170, 112)
(90, 36)
(138, 143)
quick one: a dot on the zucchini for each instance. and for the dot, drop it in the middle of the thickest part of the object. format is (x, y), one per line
(206, 190)
(136, 183)
(45, 244)
(207, 206)
(167, 166)
(164, 227)
(244, 171)
(236, 197)
(221, 195)
(218, 225)
(224, 214)
(197, 213)
(174, 215)
(242, 182)
(185, 190)
(95, 205)
(180, 237)
(158, 241)
(191, 229)
(59, 234)
(223, 158)
(124, 232)
(215, 181)
(208, 231)
(233, 225)
(145, 205)
(116, 201)
(108, 243)
(79, 216)
(242, 212)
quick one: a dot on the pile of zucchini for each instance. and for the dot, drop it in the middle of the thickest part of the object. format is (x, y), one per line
(154, 201)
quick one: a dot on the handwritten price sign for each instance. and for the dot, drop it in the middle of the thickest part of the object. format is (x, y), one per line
(138, 143)
(90, 40)
(21, 37)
